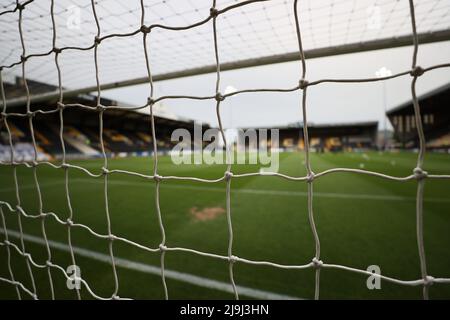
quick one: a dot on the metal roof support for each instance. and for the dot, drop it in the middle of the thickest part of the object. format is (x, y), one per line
(402, 41)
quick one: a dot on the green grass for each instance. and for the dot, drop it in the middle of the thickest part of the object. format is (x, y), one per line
(354, 230)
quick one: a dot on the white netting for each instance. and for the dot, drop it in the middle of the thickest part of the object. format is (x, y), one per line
(254, 30)
(432, 17)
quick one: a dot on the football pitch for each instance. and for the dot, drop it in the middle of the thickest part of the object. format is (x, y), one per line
(361, 220)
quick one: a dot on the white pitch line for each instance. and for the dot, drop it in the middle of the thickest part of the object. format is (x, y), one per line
(142, 267)
(32, 186)
(336, 195)
(330, 195)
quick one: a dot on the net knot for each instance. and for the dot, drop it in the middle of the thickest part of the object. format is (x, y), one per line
(34, 296)
(42, 215)
(56, 50)
(4, 115)
(219, 97)
(23, 58)
(19, 208)
(303, 84)
(228, 175)
(213, 12)
(100, 108)
(97, 40)
(233, 259)
(150, 101)
(162, 247)
(428, 280)
(60, 105)
(115, 297)
(69, 222)
(157, 177)
(111, 237)
(65, 166)
(48, 263)
(317, 263)
(27, 256)
(417, 71)
(419, 173)
(310, 177)
(34, 164)
(20, 6)
(145, 29)
(30, 114)
(6, 242)
(105, 171)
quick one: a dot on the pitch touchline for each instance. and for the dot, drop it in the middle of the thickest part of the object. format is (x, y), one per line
(142, 267)
(334, 195)
(276, 192)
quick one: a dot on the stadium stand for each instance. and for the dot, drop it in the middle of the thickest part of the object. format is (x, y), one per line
(324, 137)
(435, 118)
(126, 132)
(331, 137)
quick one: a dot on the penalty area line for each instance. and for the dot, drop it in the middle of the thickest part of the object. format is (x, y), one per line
(249, 191)
(146, 268)
(289, 193)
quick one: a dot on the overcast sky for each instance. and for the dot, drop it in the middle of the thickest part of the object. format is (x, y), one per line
(327, 103)
(254, 30)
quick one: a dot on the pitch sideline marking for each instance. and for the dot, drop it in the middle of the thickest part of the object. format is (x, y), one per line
(336, 195)
(333, 195)
(142, 267)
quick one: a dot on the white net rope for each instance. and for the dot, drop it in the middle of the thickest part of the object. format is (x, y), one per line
(253, 31)
(58, 51)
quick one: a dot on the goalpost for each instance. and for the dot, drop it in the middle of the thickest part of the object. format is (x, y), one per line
(209, 18)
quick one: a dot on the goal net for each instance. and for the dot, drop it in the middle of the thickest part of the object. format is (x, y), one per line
(116, 43)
